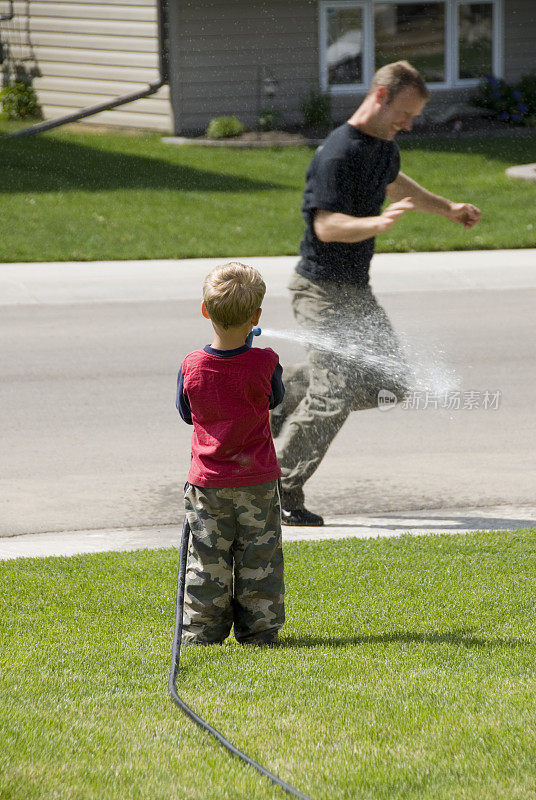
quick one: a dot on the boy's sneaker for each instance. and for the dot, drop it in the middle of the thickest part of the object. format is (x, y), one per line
(260, 639)
(300, 516)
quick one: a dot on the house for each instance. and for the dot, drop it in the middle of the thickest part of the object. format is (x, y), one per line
(223, 52)
(240, 56)
(82, 53)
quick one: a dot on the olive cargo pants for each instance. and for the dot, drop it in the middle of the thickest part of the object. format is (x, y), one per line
(353, 353)
(234, 572)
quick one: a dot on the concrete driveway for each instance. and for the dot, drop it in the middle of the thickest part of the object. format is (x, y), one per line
(91, 439)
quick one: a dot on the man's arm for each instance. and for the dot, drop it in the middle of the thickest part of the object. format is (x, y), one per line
(423, 200)
(331, 226)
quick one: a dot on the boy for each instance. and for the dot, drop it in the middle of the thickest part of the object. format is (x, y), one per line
(232, 497)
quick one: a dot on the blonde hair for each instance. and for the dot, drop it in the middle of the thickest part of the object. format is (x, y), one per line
(398, 76)
(232, 293)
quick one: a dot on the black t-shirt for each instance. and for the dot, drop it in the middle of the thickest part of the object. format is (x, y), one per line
(348, 174)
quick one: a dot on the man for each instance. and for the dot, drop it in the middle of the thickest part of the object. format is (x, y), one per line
(346, 185)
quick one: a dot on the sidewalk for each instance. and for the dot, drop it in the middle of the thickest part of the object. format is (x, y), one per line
(160, 280)
(366, 526)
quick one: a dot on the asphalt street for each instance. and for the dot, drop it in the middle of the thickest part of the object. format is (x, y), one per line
(89, 356)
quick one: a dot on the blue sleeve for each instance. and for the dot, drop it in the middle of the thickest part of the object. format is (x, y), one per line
(278, 389)
(182, 403)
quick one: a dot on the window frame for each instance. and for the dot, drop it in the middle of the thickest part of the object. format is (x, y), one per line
(344, 88)
(452, 81)
(497, 39)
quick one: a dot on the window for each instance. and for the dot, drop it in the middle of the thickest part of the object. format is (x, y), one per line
(344, 53)
(411, 31)
(451, 42)
(475, 40)
(342, 45)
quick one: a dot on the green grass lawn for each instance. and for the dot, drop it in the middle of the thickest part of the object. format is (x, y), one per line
(82, 196)
(407, 669)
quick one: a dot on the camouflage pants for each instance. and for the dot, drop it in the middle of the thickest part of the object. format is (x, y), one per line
(353, 353)
(234, 572)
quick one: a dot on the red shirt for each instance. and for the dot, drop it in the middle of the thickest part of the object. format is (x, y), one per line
(227, 394)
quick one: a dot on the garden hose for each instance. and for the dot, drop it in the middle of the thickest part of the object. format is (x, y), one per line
(175, 656)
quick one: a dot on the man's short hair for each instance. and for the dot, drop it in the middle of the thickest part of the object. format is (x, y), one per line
(398, 76)
(232, 293)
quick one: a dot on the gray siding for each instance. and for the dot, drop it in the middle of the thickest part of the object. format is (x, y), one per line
(441, 103)
(220, 45)
(519, 38)
(86, 53)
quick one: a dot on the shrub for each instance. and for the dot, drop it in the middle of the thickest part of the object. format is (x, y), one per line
(527, 87)
(224, 127)
(19, 101)
(316, 109)
(269, 119)
(505, 101)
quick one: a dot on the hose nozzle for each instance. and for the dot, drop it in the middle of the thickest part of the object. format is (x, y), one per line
(255, 332)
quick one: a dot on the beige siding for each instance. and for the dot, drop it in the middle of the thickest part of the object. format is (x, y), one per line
(140, 12)
(519, 38)
(87, 53)
(220, 45)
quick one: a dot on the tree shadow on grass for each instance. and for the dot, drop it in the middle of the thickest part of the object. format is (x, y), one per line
(52, 165)
(463, 637)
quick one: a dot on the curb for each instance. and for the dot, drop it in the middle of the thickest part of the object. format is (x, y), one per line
(420, 522)
(250, 144)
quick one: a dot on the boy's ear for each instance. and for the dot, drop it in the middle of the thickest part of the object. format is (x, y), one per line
(204, 310)
(256, 316)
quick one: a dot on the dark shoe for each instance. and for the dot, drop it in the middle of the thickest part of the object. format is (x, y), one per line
(198, 643)
(264, 638)
(260, 641)
(300, 516)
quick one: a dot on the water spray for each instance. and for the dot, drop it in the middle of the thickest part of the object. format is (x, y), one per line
(420, 368)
